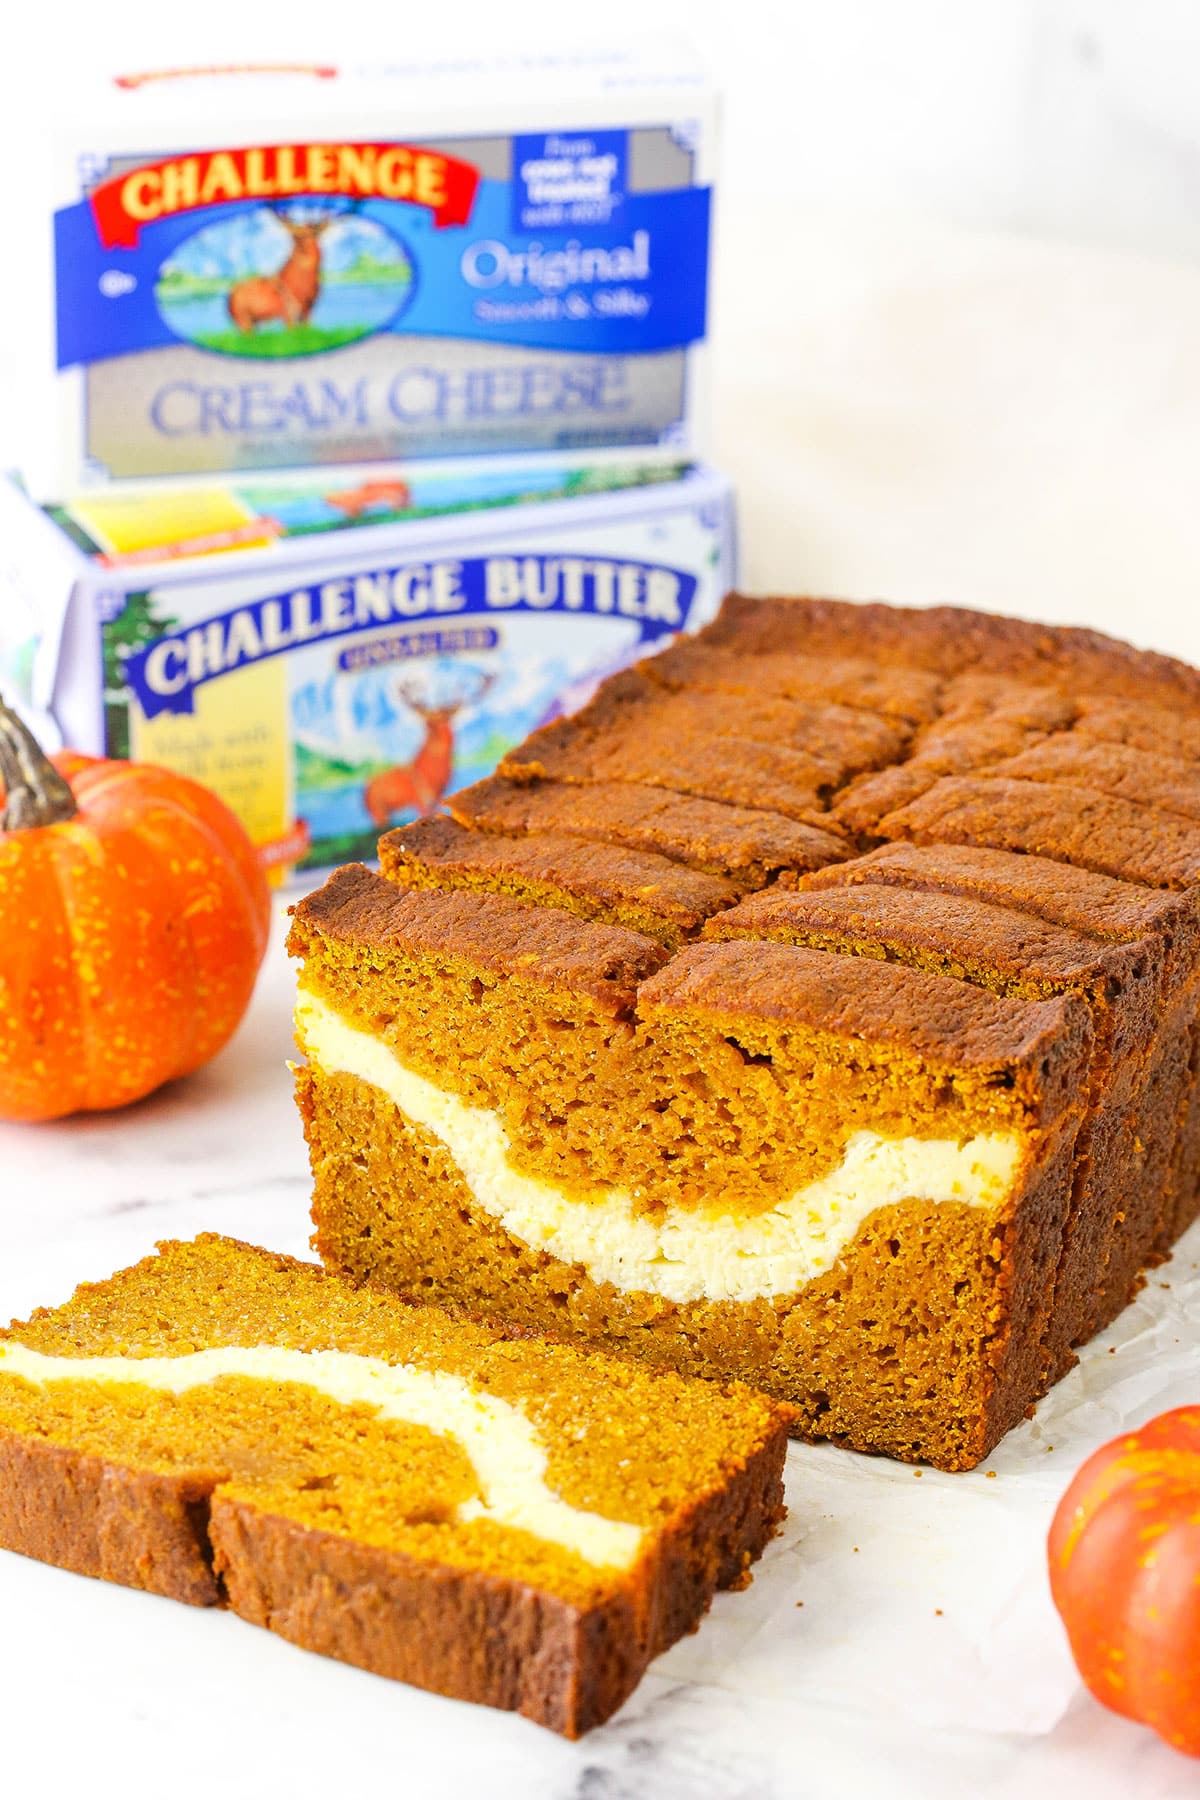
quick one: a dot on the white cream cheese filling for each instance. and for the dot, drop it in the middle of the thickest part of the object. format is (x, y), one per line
(502, 1445)
(685, 1254)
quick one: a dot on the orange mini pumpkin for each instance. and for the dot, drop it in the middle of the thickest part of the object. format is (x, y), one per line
(1125, 1575)
(133, 920)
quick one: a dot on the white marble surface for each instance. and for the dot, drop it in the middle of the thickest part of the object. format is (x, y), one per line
(864, 1689)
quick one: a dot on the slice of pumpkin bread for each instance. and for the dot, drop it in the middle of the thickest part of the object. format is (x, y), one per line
(746, 845)
(843, 1179)
(634, 888)
(493, 1518)
(1067, 823)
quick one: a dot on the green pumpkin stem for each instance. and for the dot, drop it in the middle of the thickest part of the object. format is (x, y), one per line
(34, 791)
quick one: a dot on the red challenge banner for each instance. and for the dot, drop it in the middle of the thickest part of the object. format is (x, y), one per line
(444, 185)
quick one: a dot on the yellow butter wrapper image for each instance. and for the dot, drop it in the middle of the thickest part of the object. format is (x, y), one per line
(130, 528)
(236, 743)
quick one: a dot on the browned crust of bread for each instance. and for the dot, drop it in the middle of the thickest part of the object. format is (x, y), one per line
(974, 933)
(741, 843)
(1164, 926)
(1097, 905)
(1165, 783)
(538, 945)
(993, 946)
(984, 720)
(1141, 725)
(910, 694)
(933, 1016)
(737, 770)
(631, 888)
(137, 1528)
(479, 1638)
(1071, 824)
(840, 740)
(951, 640)
(752, 751)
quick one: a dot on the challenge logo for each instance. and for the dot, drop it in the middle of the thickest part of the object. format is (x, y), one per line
(122, 207)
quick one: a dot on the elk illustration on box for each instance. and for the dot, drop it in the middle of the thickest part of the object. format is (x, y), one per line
(291, 293)
(420, 785)
(371, 497)
(280, 282)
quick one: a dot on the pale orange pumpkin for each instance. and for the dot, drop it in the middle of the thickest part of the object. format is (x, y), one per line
(1125, 1574)
(133, 921)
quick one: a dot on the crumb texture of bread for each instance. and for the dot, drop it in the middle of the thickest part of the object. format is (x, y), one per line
(382, 1482)
(835, 887)
(555, 1169)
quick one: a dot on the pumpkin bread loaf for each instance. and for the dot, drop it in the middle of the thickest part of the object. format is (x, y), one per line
(817, 1006)
(846, 1179)
(490, 1517)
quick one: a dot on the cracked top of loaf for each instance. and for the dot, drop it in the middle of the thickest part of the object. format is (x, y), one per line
(793, 739)
(988, 803)
(951, 640)
(746, 844)
(357, 930)
(543, 946)
(640, 889)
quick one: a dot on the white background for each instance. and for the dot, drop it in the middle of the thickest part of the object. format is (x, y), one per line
(957, 357)
(1072, 118)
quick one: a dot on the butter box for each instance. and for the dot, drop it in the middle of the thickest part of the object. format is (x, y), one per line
(335, 653)
(243, 269)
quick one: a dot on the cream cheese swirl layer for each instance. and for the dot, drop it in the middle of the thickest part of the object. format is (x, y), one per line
(682, 1254)
(501, 1444)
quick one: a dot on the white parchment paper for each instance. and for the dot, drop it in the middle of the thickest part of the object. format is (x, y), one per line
(925, 1595)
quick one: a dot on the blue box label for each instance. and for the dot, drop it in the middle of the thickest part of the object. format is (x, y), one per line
(303, 303)
(563, 179)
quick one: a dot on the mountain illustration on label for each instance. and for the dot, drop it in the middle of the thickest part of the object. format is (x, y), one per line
(276, 282)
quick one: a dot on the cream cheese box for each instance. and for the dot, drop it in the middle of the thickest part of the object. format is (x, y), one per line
(333, 654)
(240, 269)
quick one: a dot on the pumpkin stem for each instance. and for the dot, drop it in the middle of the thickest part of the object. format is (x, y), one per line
(34, 791)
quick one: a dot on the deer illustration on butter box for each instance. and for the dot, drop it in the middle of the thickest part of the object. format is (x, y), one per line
(421, 785)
